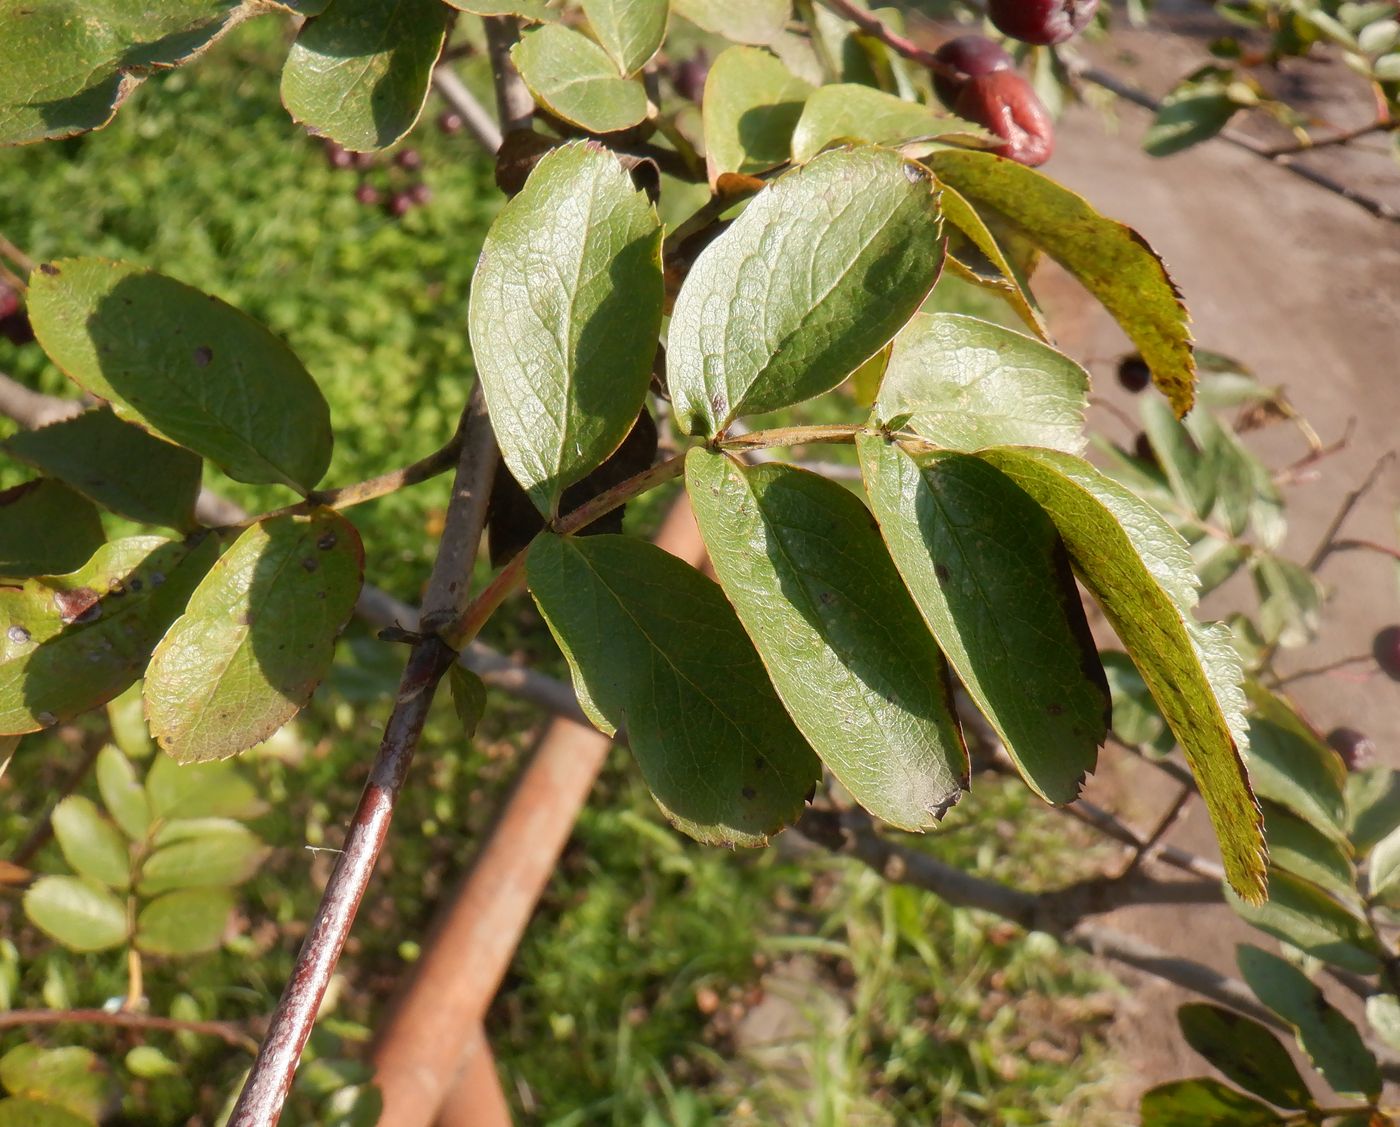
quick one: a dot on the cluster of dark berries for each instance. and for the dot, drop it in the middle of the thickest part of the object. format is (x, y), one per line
(402, 194)
(14, 322)
(978, 80)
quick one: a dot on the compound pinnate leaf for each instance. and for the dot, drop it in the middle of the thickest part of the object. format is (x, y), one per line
(118, 465)
(989, 574)
(1111, 260)
(1204, 1103)
(751, 105)
(740, 21)
(199, 790)
(965, 384)
(257, 638)
(1138, 569)
(1299, 912)
(73, 642)
(183, 363)
(1297, 847)
(816, 276)
(630, 31)
(852, 112)
(1330, 1040)
(79, 913)
(66, 65)
(201, 853)
(565, 312)
(189, 921)
(654, 646)
(92, 845)
(122, 794)
(72, 1078)
(1195, 110)
(46, 529)
(573, 78)
(1290, 765)
(1245, 1052)
(360, 73)
(803, 565)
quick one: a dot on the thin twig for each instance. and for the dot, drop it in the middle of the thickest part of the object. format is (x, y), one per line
(1366, 546)
(1164, 824)
(1343, 137)
(33, 409)
(1349, 503)
(15, 255)
(230, 1032)
(514, 105)
(1322, 670)
(477, 121)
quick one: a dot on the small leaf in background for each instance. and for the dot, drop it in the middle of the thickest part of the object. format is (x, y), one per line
(1245, 493)
(1383, 1015)
(127, 717)
(148, 1062)
(751, 106)
(73, 642)
(92, 845)
(188, 922)
(586, 246)
(814, 586)
(853, 112)
(1110, 259)
(1204, 1103)
(46, 529)
(257, 637)
(20, 1111)
(191, 368)
(1329, 1039)
(1137, 568)
(117, 465)
(1289, 765)
(1290, 601)
(1372, 806)
(1194, 110)
(1383, 872)
(630, 31)
(80, 914)
(1296, 847)
(71, 1078)
(61, 75)
(360, 72)
(573, 78)
(966, 384)
(1178, 457)
(820, 271)
(741, 21)
(653, 645)
(200, 790)
(1137, 720)
(1215, 561)
(1300, 913)
(990, 577)
(200, 853)
(974, 254)
(1246, 1052)
(122, 793)
(536, 11)
(468, 697)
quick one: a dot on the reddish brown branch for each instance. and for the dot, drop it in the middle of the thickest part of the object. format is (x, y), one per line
(228, 1031)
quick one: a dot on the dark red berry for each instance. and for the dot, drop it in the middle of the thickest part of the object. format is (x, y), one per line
(338, 157)
(368, 195)
(400, 204)
(1134, 374)
(689, 76)
(1386, 648)
(1142, 448)
(1041, 22)
(1355, 748)
(1004, 104)
(363, 161)
(970, 56)
(410, 160)
(16, 328)
(9, 301)
(450, 122)
(420, 193)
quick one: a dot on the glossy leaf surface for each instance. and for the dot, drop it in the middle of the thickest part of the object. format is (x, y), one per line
(187, 922)
(751, 106)
(574, 79)
(1246, 1052)
(80, 914)
(851, 111)
(91, 844)
(46, 529)
(630, 31)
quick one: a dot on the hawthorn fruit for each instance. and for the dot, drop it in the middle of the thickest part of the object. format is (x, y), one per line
(337, 157)
(1004, 104)
(450, 123)
(400, 204)
(689, 76)
(1134, 374)
(1386, 650)
(368, 195)
(410, 160)
(971, 56)
(1042, 22)
(1356, 748)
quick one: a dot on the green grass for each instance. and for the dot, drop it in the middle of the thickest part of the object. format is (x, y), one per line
(920, 1014)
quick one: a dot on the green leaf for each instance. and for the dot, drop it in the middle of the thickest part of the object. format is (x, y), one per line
(1203, 1103)
(148, 1062)
(257, 638)
(1138, 569)
(1383, 1015)
(73, 642)
(804, 567)
(852, 112)
(536, 11)
(122, 793)
(653, 644)
(566, 371)
(188, 922)
(751, 106)
(80, 914)
(1290, 601)
(990, 576)
(1246, 1052)
(1179, 457)
(1291, 766)
(975, 254)
(71, 1078)
(92, 845)
(468, 697)
(1110, 259)
(19, 1111)
(1372, 805)
(1297, 847)
(1383, 874)
(740, 21)
(46, 529)
(1194, 110)
(573, 78)
(360, 73)
(1300, 913)
(966, 384)
(818, 273)
(1330, 1040)
(183, 363)
(199, 790)
(1137, 720)
(117, 465)
(630, 31)
(127, 718)
(200, 853)
(66, 65)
